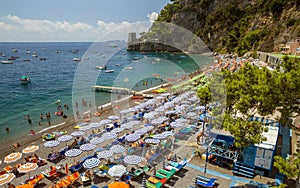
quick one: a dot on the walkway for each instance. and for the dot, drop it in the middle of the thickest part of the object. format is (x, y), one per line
(234, 179)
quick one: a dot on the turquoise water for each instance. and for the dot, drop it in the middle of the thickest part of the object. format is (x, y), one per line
(54, 78)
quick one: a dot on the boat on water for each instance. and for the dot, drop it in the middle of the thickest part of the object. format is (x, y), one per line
(43, 59)
(14, 50)
(100, 67)
(76, 59)
(109, 71)
(6, 62)
(128, 68)
(24, 79)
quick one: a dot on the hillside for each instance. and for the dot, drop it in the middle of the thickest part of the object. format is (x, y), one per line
(237, 26)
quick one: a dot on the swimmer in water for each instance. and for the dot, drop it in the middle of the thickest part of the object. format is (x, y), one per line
(7, 129)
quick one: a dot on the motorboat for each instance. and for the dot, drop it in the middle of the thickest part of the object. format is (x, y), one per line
(100, 67)
(24, 79)
(6, 62)
(14, 50)
(76, 59)
(128, 68)
(43, 59)
(109, 71)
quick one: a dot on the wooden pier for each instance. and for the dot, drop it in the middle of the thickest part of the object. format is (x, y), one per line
(119, 90)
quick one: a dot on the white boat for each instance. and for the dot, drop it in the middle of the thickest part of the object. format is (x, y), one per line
(100, 67)
(34, 55)
(128, 68)
(14, 50)
(24, 79)
(6, 62)
(28, 52)
(76, 59)
(136, 58)
(3, 55)
(109, 71)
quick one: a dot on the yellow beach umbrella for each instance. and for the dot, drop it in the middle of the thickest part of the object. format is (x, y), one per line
(30, 149)
(118, 184)
(12, 157)
(6, 178)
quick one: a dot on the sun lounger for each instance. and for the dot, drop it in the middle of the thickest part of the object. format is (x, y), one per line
(168, 173)
(205, 184)
(152, 185)
(73, 177)
(138, 172)
(161, 176)
(203, 178)
(36, 180)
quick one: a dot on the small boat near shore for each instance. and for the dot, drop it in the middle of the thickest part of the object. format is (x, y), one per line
(100, 67)
(6, 62)
(76, 59)
(109, 71)
(24, 79)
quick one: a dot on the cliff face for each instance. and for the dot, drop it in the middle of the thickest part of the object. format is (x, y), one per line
(237, 26)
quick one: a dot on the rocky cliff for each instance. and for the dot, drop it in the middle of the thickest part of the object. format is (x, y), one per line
(237, 26)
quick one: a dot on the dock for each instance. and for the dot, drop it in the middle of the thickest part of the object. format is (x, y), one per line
(118, 90)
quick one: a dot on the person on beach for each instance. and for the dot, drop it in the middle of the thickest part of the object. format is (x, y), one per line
(41, 117)
(29, 120)
(39, 123)
(49, 123)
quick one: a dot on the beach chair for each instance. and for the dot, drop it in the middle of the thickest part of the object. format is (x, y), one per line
(161, 176)
(73, 177)
(205, 184)
(151, 185)
(167, 173)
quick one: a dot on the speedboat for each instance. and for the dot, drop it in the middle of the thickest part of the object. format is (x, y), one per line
(76, 59)
(6, 62)
(24, 79)
(109, 71)
(100, 67)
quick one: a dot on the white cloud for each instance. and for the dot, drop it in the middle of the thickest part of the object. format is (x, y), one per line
(152, 16)
(14, 28)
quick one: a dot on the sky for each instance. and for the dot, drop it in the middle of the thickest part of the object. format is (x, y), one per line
(73, 20)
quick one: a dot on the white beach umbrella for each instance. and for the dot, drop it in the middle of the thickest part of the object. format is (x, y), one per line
(84, 128)
(97, 140)
(165, 94)
(13, 157)
(87, 147)
(132, 159)
(169, 105)
(77, 133)
(160, 109)
(105, 121)
(95, 125)
(127, 126)
(30, 149)
(167, 133)
(73, 152)
(105, 154)
(117, 149)
(152, 141)
(117, 171)
(149, 116)
(159, 136)
(117, 130)
(132, 137)
(109, 135)
(51, 144)
(125, 111)
(113, 117)
(91, 163)
(65, 138)
(191, 115)
(27, 167)
(175, 124)
(181, 120)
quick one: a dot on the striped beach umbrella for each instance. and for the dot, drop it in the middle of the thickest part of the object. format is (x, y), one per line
(167, 133)
(91, 163)
(191, 114)
(65, 138)
(133, 159)
(165, 94)
(152, 141)
(141, 131)
(159, 136)
(117, 171)
(12, 157)
(127, 126)
(51, 144)
(117, 149)
(104, 122)
(117, 130)
(73, 152)
(6, 178)
(160, 109)
(149, 116)
(200, 108)
(27, 167)
(105, 154)
(84, 128)
(87, 147)
(181, 120)
(113, 117)
(95, 125)
(109, 135)
(77, 133)
(132, 137)
(175, 124)
(97, 140)
(30, 149)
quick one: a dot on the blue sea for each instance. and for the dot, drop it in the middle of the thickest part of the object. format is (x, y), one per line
(59, 77)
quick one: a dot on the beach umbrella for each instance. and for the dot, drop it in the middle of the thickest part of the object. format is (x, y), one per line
(133, 109)
(105, 121)
(51, 144)
(105, 154)
(132, 159)
(27, 167)
(168, 105)
(117, 149)
(117, 171)
(65, 138)
(30, 149)
(181, 120)
(73, 152)
(160, 109)
(152, 141)
(95, 125)
(91, 163)
(125, 111)
(132, 137)
(87, 147)
(6, 178)
(165, 94)
(185, 103)
(175, 124)
(77, 133)
(141, 131)
(118, 184)
(167, 133)
(191, 114)
(200, 108)
(113, 117)
(117, 130)
(97, 140)
(109, 135)
(84, 128)
(149, 127)
(159, 136)
(127, 126)
(12, 157)
(149, 116)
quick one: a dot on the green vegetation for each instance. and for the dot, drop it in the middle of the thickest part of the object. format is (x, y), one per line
(252, 90)
(237, 26)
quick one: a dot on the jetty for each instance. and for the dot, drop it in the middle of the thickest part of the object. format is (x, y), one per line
(118, 90)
